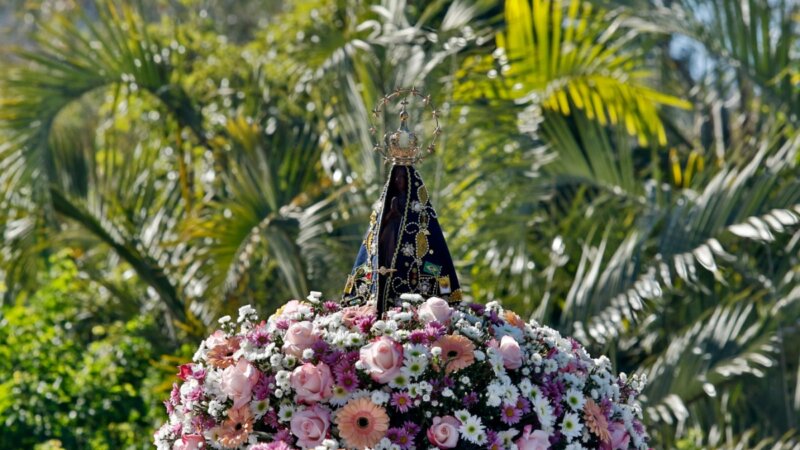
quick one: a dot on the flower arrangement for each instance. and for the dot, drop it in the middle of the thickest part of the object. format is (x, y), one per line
(427, 375)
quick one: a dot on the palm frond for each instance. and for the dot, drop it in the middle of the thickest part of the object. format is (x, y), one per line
(570, 55)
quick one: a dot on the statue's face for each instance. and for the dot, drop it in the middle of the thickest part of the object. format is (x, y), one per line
(401, 180)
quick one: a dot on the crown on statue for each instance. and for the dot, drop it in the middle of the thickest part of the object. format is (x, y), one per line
(402, 146)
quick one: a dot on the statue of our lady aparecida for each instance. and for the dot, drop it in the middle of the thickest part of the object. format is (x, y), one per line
(402, 361)
(404, 250)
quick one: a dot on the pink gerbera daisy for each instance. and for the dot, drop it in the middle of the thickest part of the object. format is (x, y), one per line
(362, 423)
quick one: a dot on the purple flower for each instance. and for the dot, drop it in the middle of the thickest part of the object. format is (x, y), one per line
(262, 388)
(411, 428)
(271, 418)
(401, 401)
(175, 395)
(331, 306)
(347, 380)
(364, 323)
(524, 405)
(434, 330)
(477, 308)
(418, 337)
(470, 399)
(259, 336)
(283, 435)
(510, 414)
(495, 443)
(400, 437)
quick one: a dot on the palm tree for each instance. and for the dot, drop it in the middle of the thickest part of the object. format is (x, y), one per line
(674, 255)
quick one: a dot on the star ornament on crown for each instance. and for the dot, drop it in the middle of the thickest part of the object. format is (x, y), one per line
(402, 145)
(400, 361)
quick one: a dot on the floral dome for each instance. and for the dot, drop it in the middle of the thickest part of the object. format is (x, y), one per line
(400, 362)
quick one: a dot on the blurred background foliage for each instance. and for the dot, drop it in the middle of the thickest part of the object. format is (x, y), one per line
(624, 171)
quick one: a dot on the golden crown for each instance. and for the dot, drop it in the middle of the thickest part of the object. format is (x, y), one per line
(402, 145)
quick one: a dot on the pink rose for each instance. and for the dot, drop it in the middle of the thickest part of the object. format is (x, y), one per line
(311, 426)
(538, 440)
(435, 309)
(382, 359)
(190, 442)
(184, 371)
(312, 383)
(509, 348)
(444, 432)
(238, 381)
(291, 308)
(279, 445)
(352, 313)
(217, 338)
(299, 337)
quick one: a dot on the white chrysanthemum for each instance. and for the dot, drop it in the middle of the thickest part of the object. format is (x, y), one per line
(462, 415)
(575, 446)
(413, 298)
(401, 316)
(340, 396)
(415, 350)
(526, 387)
(259, 407)
(571, 426)
(494, 394)
(400, 380)
(330, 444)
(508, 330)
(415, 367)
(545, 412)
(282, 378)
(508, 437)
(247, 312)
(289, 361)
(472, 430)
(354, 339)
(286, 412)
(379, 397)
(510, 392)
(574, 399)
(215, 408)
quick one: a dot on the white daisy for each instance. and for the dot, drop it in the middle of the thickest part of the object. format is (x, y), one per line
(340, 396)
(415, 366)
(259, 407)
(575, 399)
(571, 426)
(472, 430)
(286, 412)
(462, 415)
(400, 380)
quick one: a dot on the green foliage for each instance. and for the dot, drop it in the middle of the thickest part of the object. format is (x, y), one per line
(80, 377)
